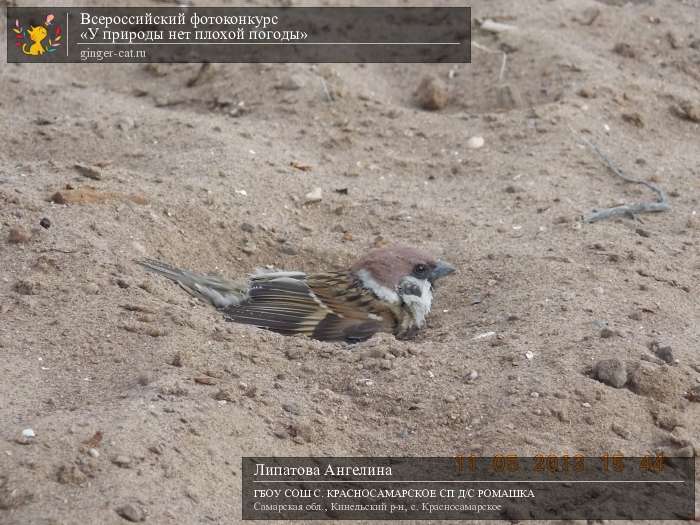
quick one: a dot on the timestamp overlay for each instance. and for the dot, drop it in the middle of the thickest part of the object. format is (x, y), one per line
(238, 34)
(468, 487)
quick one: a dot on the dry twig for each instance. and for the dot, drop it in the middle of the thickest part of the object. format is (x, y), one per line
(329, 97)
(504, 59)
(661, 203)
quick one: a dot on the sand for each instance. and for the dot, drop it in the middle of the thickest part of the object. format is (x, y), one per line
(139, 395)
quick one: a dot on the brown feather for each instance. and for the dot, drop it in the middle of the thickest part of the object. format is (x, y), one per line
(329, 307)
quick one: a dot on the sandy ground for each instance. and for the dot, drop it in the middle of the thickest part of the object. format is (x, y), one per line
(213, 176)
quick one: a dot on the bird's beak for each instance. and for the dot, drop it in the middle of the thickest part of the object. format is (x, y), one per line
(441, 270)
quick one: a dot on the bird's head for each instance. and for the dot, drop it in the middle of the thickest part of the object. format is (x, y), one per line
(400, 270)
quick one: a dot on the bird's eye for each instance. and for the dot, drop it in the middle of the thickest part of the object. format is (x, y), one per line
(420, 270)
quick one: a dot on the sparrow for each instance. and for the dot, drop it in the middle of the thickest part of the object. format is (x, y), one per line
(387, 290)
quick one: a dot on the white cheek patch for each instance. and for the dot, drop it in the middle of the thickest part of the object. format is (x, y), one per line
(418, 305)
(381, 291)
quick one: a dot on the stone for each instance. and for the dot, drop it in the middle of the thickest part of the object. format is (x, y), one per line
(122, 461)
(315, 195)
(475, 142)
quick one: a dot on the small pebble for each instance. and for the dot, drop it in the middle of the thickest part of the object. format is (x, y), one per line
(315, 195)
(122, 461)
(45, 223)
(475, 142)
(93, 452)
(26, 438)
(529, 355)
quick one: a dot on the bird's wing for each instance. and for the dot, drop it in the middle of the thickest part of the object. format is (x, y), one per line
(343, 294)
(282, 304)
(323, 306)
(358, 313)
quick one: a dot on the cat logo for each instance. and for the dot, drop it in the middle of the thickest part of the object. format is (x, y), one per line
(37, 40)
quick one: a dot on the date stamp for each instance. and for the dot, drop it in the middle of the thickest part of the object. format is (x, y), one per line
(560, 463)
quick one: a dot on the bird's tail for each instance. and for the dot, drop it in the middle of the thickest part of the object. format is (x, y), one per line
(209, 288)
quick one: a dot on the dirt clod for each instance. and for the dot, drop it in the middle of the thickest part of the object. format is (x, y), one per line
(694, 394)
(625, 50)
(663, 352)
(70, 474)
(431, 93)
(612, 372)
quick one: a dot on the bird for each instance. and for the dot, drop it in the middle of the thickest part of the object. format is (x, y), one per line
(389, 289)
